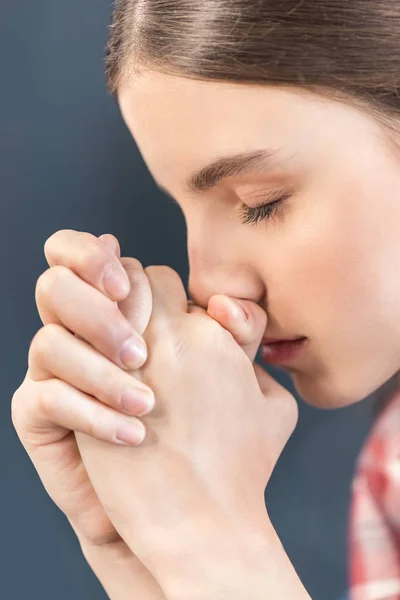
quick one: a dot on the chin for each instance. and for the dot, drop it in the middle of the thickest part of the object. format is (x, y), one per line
(327, 393)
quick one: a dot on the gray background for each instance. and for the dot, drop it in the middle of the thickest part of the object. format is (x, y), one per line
(68, 162)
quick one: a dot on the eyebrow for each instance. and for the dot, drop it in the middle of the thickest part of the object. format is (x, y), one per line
(208, 177)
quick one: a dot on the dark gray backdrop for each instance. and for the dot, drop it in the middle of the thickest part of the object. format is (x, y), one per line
(67, 161)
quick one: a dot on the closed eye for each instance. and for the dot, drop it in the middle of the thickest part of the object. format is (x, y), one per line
(264, 210)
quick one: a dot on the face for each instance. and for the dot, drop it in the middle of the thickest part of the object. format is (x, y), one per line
(324, 262)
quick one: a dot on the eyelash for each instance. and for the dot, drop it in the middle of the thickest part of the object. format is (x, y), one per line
(266, 211)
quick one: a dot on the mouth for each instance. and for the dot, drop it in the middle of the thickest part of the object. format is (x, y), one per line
(268, 340)
(282, 351)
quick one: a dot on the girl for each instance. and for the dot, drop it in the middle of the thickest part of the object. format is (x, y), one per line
(275, 127)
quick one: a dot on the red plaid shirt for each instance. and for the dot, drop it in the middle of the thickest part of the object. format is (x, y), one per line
(375, 511)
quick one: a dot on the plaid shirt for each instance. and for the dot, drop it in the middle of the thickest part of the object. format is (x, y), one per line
(374, 535)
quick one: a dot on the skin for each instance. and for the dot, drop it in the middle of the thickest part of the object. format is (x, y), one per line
(59, 401)
(200, 475)
(327, 266)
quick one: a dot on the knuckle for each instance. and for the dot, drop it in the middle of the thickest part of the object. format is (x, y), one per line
(163, 273)
(95, 423)
(18, 401)
(43, 284)
(55, 245)
(49, 280)
(158, 269)
(48, 397)
(95, 259)
(43, 341)
(53, 239)
(135, 268)
(16, 408)
(112, 386)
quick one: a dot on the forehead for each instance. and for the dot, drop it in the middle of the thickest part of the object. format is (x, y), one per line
(180, 123)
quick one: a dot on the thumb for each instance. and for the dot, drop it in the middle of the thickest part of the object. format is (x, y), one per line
(244, 319)
(247, 321)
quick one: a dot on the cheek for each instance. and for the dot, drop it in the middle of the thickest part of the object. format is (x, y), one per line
(354, 267)
(332, 287)
(345, 291)
(324, 275)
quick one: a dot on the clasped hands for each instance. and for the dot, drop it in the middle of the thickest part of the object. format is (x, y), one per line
(189, 500)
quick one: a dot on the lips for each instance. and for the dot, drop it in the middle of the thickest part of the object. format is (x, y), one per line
(283, 351)
(267, 340)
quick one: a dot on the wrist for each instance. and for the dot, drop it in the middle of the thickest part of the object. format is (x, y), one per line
(236, 563)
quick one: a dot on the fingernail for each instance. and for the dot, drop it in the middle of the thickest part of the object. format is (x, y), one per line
(130, 433)
(133, 352)
(115, 280)
(137, 401)
(236, 312)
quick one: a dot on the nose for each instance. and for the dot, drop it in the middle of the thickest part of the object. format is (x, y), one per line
(213, 271)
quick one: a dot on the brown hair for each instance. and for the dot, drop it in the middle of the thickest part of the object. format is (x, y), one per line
(344, 49)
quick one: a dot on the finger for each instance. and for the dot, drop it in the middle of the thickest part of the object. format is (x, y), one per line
(90, 258)
(245, 320)
(59, 466)
(55, 352)
(111, 242)
(65, 299)
(138, 305)
(247, 324)
(53, 408)
(168, 294)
